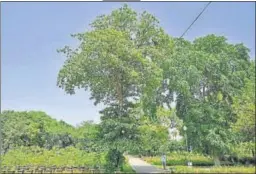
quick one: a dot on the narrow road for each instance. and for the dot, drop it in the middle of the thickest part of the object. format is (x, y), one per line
(141, 166)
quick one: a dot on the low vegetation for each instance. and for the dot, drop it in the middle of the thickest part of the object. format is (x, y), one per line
(59, 157)
(182, 158)
(223, 169)
(56, 159)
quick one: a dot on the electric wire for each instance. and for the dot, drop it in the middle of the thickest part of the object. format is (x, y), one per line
(195, 19)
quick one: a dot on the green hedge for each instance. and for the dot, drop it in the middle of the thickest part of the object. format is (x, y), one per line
(234, 160)
(175, 159)
(233, 169)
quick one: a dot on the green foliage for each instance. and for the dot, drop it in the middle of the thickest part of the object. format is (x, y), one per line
(115, 159)
(34, 128)
(168, 117)
(181, 158)
(117, 134)
(87, 134)
(243, 149)
(153, 138)
(176, 146)
(38, 129)
(244, 107)
(113, 58)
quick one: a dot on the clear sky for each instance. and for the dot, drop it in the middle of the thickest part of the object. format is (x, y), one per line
(32, 31)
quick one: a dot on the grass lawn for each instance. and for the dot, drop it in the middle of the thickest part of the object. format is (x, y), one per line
(224, 169)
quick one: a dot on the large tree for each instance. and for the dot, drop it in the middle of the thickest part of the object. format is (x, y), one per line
(118, 61)
(210, 73)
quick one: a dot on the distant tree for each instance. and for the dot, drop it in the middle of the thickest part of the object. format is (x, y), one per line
(34, 129)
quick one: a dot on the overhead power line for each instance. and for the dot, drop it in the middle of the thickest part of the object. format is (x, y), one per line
(196, 19)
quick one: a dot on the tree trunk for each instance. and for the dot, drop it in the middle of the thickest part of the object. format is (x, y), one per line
(117, 161)
(216, 160)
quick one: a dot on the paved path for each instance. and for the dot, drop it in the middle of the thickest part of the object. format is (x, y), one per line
(141, 166)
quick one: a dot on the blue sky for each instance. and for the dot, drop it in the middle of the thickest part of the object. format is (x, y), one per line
(32, 31)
